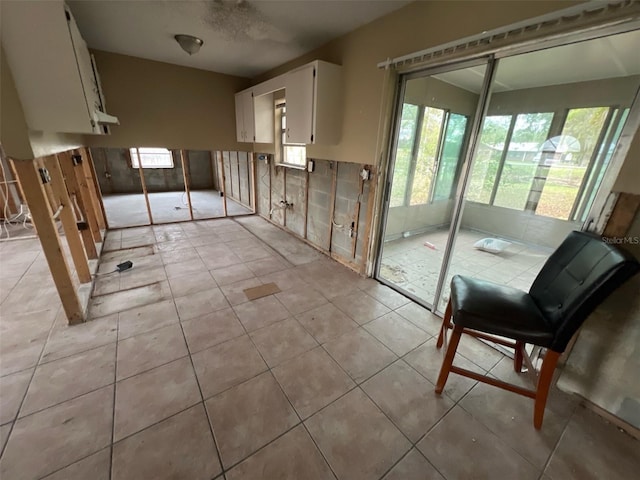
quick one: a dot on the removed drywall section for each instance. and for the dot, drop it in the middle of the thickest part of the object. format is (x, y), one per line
(346, 208)
(296, 188)
(170, 106)
(320, 198)
(263, 186)
(278, 193)
(114, 172)
(244, 178)
(228, 180)
(201, 170)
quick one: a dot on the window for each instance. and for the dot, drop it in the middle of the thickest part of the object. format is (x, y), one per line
(151, 157)
(291, 154)
(427, 156)
(521, 163)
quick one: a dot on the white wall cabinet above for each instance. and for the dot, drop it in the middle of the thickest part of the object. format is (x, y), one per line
(55, 75)
(313, 96)
(245, 123)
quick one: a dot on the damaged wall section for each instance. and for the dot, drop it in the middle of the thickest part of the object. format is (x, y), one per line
(330, 206)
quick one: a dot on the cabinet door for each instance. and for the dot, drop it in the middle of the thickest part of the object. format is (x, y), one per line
(249, 123)
(240, 136)
(299, 93)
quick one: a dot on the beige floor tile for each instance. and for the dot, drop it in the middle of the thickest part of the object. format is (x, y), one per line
(312, 381)
(421, 317)
(282, 341)
(147, 318)
(284, 279)
(235, 292)
(396, 333)
(360, 354)
(142, 276)
(360, 307)
(192, 283)
(231, 274)
(226, 365)
(301, 299)
(35, 448)
(357, 440)
(250, 254)
(591, 448)
(407, 399)
(12, 390)
(179, 256)
(187, 267)
(267, 265)
(261, 312)
(128, 299)
(292, 456)
(248, 416)
(212, 329)
(69, 377)
(200, 303)
(479, 353)
(94, 467)
(154, 395)
(179, 447)
(485, 454)
(66, 340)
(148, 350)
(510, 416)
(413, 467)
(4, 434)
(326, 322)
(172, 245)
(217, 256)
(427, 360)
(386, 296)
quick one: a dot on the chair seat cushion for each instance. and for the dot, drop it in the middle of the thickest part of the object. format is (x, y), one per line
(497, 309)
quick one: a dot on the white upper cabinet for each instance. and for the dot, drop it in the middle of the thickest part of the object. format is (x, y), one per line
(52, 68)
(313, 96)
(245, 124)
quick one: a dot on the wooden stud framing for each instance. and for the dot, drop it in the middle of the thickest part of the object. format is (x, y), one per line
(332, 205)
(253, 189)
(369, 223)
(87, 199)
(68, 219)
(356, 218)
(49, 239)
(144, 187)
(94, 186)
(622, 215)
(223, 181)
(66, 165)
(184, 159)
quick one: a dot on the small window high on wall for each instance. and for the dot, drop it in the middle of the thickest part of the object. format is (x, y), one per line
(151, 157)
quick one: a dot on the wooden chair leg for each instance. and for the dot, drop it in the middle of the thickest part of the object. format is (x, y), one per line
(448, 359)
(544, 383)
(518, 357)
(445, 323)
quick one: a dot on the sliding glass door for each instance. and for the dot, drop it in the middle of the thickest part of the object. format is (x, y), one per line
(494, 164)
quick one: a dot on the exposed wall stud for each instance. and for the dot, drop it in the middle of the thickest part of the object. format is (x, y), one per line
(184, 159)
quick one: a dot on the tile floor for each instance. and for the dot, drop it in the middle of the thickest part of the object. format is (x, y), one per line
(414, 267)
(178, 376)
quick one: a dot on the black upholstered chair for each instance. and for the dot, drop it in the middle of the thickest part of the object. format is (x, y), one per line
(576, 278)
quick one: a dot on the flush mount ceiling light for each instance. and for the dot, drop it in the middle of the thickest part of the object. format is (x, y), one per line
(189, 43)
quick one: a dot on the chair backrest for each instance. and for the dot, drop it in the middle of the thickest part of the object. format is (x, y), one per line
(576, 278)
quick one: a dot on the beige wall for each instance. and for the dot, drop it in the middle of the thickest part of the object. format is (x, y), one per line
(163, 105)
(417, 26)
(629, 177)
(14, 135)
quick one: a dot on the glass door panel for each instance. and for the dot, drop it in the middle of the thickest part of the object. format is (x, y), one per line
(550, 129)
(432, 131)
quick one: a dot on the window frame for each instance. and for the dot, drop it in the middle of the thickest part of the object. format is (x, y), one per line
(136, 161)
(281, 145)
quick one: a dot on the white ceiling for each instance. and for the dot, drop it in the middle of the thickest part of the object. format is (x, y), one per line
(607, 57)
(241, 37)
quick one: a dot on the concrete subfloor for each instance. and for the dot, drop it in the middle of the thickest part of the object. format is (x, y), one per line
(130, 210)
(415, 267)
(178, 375)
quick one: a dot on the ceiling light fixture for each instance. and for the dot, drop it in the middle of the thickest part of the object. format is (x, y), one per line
(189, 43)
